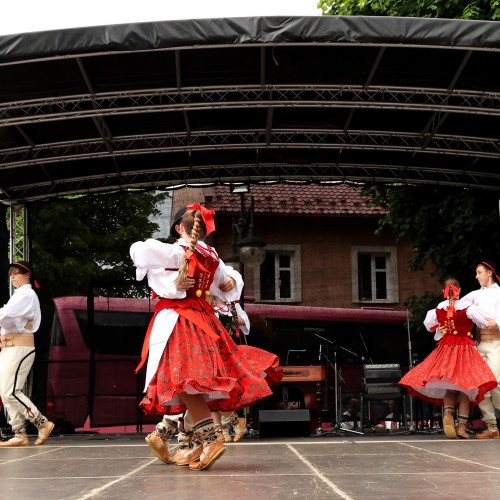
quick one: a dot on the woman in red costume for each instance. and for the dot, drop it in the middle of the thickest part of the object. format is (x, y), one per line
(454, 372)
(193, 364)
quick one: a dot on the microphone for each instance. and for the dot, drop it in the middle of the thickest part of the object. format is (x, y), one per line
(320, 347)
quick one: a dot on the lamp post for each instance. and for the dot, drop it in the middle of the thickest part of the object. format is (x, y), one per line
(248, 249)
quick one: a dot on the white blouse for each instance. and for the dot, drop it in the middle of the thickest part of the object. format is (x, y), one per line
(488, 299)
(22, 308)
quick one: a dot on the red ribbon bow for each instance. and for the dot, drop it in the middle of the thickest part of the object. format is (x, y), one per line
(452, 293)
(207, 216)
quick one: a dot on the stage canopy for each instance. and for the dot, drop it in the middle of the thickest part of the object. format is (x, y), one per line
(318, 99)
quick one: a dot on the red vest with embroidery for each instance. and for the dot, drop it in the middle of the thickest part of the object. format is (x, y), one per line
(207, 262)
(455, 330)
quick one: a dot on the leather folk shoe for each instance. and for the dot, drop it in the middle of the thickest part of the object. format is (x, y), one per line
(449, 426)
(212, 451)
(462, 433)
(17, 440)
(185, 456)
(159, 447)
(226, 436)
(489, 433)
(44, 433)
(239, 429)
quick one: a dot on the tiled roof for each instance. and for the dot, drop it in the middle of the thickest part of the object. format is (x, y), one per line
(308, 199)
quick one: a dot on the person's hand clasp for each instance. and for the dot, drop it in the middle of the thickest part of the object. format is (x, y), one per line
(491, 325)
(189, 283)
(228, 284)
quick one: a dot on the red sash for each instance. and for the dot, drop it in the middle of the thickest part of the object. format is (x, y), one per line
(189, 308)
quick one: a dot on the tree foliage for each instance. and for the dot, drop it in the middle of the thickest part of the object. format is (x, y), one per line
(449, 9)
(77, 240)
(451, 228)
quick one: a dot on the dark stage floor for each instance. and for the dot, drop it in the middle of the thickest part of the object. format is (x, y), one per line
(375, 466)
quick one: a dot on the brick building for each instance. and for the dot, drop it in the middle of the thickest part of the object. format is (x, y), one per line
(327, 275)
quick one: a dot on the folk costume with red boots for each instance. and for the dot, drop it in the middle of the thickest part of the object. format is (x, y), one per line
(187, 348)
(455, 363)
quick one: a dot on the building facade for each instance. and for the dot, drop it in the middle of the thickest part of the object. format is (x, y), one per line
(330, 289)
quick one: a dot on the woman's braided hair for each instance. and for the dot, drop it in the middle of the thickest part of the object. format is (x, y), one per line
(193, 225)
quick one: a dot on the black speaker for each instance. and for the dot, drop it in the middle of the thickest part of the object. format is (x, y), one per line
(273, 423)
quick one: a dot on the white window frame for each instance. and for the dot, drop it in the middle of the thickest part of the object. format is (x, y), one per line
(390, 253)
(295, 269)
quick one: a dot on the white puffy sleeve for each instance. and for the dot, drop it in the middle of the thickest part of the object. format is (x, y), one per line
(153, 254)
(430, 321)
(246, 327)
(234, 294)
(478, 316)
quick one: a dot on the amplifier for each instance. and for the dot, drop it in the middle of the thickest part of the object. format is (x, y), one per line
(284, 423)
(382, 379)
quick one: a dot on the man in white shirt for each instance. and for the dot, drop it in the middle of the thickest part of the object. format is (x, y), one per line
(19, 320)
(488, 298)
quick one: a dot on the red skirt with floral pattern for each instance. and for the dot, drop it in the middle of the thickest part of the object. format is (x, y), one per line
(455, 365)
(230, 376)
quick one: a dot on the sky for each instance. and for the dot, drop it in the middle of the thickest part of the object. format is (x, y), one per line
(22, 16)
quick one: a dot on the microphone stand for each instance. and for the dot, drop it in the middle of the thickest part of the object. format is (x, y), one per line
(412, 429)
(364, 345)
(337, 424)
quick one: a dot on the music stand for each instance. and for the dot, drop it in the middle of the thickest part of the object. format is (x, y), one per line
(337, 424)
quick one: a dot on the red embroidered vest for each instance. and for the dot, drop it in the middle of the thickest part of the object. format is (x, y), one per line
(207, 262)
(455, 330)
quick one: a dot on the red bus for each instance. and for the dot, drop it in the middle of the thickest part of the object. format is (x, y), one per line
(95, 347)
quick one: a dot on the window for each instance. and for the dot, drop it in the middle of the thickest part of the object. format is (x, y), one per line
(278, 278)
(374, 277)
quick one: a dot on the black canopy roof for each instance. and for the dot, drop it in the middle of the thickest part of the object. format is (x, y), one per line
(168, 104)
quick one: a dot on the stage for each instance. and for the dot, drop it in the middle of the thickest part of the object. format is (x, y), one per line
(375, 466)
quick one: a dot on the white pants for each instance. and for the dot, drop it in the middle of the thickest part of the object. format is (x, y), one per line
(15, 365)
(490, 351)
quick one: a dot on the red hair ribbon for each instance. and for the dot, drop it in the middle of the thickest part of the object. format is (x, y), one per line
(193, 263)
(206, 214)
(452, 293)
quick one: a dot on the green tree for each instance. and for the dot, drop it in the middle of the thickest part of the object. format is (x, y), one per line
(451, 228)
(76, 240)
(450, 9)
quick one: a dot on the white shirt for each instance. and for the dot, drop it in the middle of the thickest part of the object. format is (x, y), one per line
(160, 262)
(477, 314)
(488, 299)
(22, 308)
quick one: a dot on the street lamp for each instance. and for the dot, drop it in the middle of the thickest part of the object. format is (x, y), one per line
(251, 248)
(248, 249)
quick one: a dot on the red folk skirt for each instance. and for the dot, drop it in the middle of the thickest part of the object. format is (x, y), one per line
(230, 376)
(454, 365)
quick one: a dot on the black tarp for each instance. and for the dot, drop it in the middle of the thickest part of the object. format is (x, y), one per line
(252, 30)
(315, 99)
